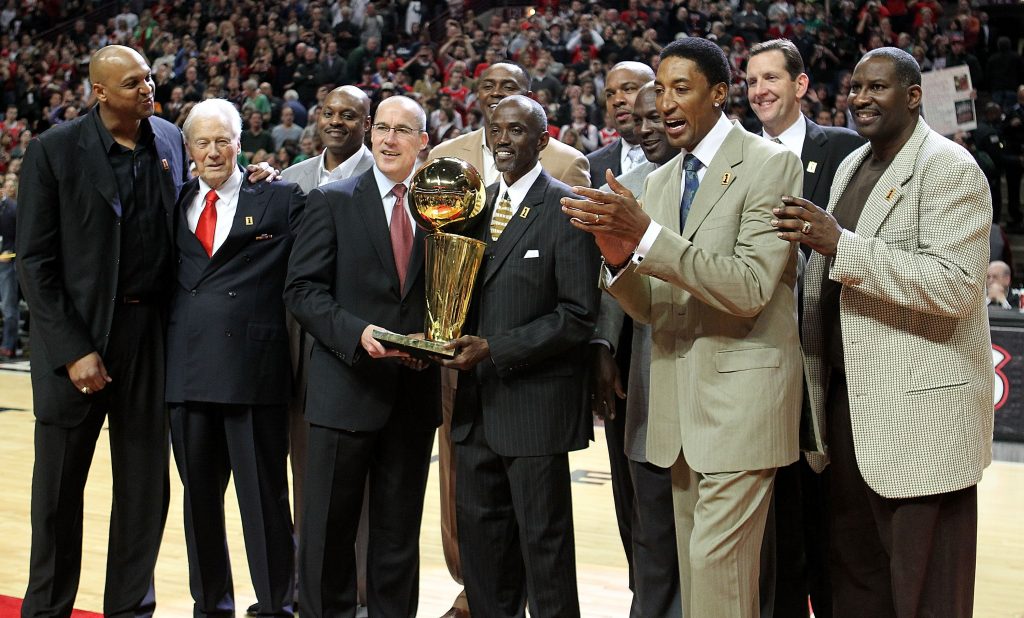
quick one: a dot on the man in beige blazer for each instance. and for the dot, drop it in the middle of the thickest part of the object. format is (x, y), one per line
(561, 162)
(702, 267)
(898, 352)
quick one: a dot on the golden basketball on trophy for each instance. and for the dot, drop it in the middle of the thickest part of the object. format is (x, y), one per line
(446, 196)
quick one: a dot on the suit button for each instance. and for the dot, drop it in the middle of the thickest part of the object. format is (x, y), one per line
(227, 333)
(194, 292)
(247, 258)
(232, 294)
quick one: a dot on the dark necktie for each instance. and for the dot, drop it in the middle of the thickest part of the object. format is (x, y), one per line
(401, 234)
(207, 225)
(690, 166)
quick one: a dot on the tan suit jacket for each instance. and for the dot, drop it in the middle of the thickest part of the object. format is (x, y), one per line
(726, 354)
(562, 162)
(915, 328)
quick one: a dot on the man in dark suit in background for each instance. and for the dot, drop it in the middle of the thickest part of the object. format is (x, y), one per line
(8, 277)
(228, 378)
(519, 408)
(794, 554)
(95, 260)
(610, 358)
(357, 266)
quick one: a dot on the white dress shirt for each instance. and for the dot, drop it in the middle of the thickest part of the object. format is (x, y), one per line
(625, 163)
(384, 186)
(517, 192)
(227, 204)
(344, 169)
(793, 137)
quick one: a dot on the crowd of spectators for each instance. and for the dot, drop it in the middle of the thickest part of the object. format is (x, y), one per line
(277, 60)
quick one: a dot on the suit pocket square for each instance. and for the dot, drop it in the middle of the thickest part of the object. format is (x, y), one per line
(264, 237)
(531, 253)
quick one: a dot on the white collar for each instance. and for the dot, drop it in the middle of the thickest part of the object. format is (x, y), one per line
(793, 137)
(708, 147)
(517, 192)
(227, 190)
(385, 184)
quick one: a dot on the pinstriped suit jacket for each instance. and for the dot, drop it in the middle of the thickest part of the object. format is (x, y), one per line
(725, 357)
(537, 314)
(915, 329)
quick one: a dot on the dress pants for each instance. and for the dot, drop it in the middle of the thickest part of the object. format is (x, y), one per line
(9, 306)
(212, 443)
(396, 460)
(905, 558)
(446, 481)
(515, 532)
(656, 563)
(720, 521)
(133, 405)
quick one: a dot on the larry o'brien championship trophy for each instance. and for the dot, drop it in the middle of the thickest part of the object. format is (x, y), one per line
(446, 196)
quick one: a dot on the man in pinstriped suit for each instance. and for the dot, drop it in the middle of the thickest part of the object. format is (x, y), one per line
(898, 352)
(519, 407)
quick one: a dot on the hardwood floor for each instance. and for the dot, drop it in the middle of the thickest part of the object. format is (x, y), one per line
(601, 566)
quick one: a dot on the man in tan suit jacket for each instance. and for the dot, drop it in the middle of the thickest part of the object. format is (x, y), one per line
(561, 162)
(701, 266)
(898, 352)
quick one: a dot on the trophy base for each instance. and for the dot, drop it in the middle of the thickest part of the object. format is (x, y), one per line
(418, 348)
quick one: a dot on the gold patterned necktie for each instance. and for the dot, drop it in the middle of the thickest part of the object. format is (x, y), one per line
(502, 215)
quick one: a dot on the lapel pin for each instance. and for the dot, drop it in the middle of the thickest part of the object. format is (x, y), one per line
(163, 162)
(726, 177)
(524, 212)
(248, 220)
(811, 166)
(888, 196)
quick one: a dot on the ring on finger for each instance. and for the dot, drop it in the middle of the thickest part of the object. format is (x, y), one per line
(597, 219)
(85, 390)
(806, 229)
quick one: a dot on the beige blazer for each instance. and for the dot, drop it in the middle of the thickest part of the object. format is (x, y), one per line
(725, 358)
(562, 162)
(915, 329)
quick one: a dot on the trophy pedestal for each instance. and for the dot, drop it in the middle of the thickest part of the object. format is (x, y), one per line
(418, 348)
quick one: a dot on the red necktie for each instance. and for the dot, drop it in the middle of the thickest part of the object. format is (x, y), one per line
(208, 222)
(401, 234)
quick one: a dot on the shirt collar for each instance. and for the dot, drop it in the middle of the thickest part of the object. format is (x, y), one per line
(517, 192)
(708, 147)
(793, 136)
(344, 169)
(109, 143)
(624, 153)
(385, 184)
(227, 190)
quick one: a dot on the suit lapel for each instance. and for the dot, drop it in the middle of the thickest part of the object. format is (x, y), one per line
(889, 190)
(368, 203)
(813, 153)
(717, 180)
(528, 213)
(167, 168)
(252, 205)
(98, 169)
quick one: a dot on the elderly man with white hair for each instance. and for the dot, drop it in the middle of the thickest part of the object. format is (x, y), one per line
(228, 366)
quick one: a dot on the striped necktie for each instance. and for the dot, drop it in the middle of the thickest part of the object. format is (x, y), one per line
(502, 215)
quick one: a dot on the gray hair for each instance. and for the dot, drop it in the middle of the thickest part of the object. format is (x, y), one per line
(219, 108)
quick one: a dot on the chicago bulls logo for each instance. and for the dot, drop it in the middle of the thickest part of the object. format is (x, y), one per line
(1000, 357)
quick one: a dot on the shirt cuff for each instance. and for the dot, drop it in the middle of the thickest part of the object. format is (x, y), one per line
(646, 242)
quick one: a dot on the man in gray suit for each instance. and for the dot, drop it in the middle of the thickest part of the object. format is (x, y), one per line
(654, 567)
(897, 352)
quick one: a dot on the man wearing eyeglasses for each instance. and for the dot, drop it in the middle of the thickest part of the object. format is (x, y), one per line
(357, 266)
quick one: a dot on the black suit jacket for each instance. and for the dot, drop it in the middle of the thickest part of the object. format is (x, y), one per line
(537, 314)
(227, 341)
(69, 249)
(824, 149)
(341, 278)
(605, 158)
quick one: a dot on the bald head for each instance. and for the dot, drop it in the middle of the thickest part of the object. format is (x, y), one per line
(620, 89)
(407, 106)
(122, 82)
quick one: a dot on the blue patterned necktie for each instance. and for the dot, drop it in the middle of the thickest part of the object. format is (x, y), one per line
(690, 166)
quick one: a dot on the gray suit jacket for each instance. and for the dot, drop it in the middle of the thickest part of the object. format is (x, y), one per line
(915, 329)
(719, 297)
(610, 318)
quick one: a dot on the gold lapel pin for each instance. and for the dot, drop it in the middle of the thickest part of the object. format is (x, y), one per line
(524, 212)
(248, 220)
(164, 163)
(888, 196)
(811, 166)
(726, 177)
